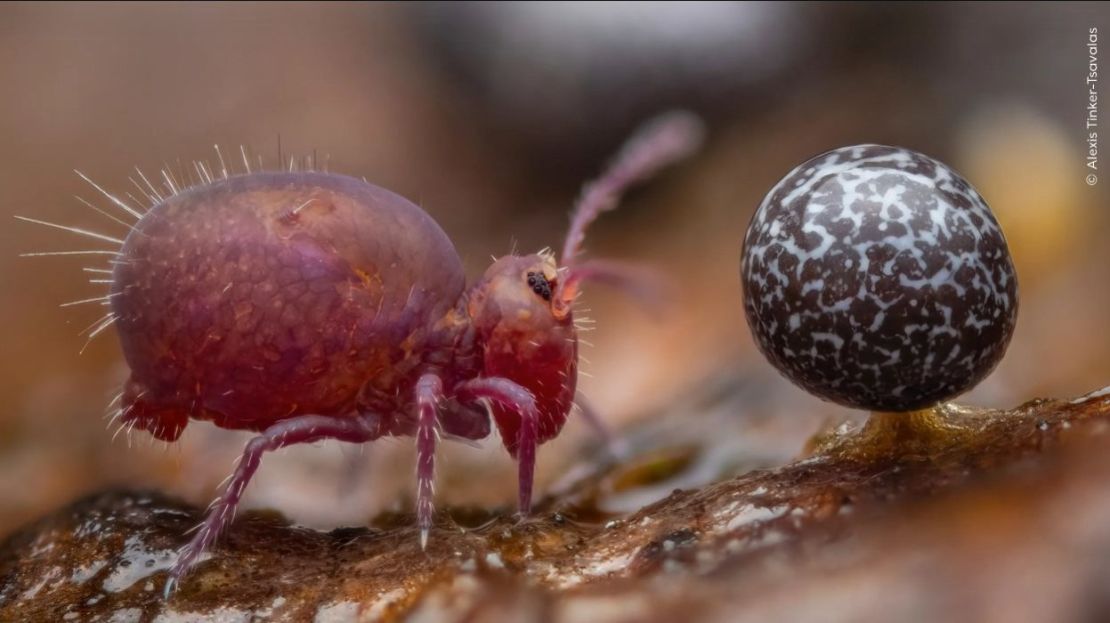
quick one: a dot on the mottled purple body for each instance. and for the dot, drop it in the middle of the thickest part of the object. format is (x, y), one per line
(266, 296)
(315, 306)
(878, 278)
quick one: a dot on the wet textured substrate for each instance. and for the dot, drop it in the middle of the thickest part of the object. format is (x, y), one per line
(963, 515)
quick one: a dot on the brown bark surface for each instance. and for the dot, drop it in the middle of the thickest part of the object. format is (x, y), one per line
(958, 515)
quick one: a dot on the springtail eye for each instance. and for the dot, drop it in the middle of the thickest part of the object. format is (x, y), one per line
(540, 285)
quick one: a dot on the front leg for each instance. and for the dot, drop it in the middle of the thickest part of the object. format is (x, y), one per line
(301, 429)
(516, 397)
(429, 390)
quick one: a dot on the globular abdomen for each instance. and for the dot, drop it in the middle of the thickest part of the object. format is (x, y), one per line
(269, 295)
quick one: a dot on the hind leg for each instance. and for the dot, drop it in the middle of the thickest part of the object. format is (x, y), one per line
(303, 429)
(429, 390)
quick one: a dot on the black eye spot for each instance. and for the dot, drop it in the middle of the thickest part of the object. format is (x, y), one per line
(540, 285)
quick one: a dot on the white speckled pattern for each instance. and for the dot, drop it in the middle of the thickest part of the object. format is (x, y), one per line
(878, 278)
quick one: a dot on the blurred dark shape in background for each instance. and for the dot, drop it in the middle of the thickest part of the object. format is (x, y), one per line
(490, 116)
(564, 81)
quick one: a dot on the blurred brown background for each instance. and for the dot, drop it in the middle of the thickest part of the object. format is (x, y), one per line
(491, 116)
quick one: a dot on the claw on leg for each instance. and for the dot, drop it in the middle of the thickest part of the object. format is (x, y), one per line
(302, 429)
(168, 590)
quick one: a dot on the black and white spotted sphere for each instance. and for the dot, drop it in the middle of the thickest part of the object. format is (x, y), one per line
(877, 278)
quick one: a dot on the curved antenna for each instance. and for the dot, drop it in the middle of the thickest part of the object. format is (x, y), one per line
(660, 142)
(664, 140)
